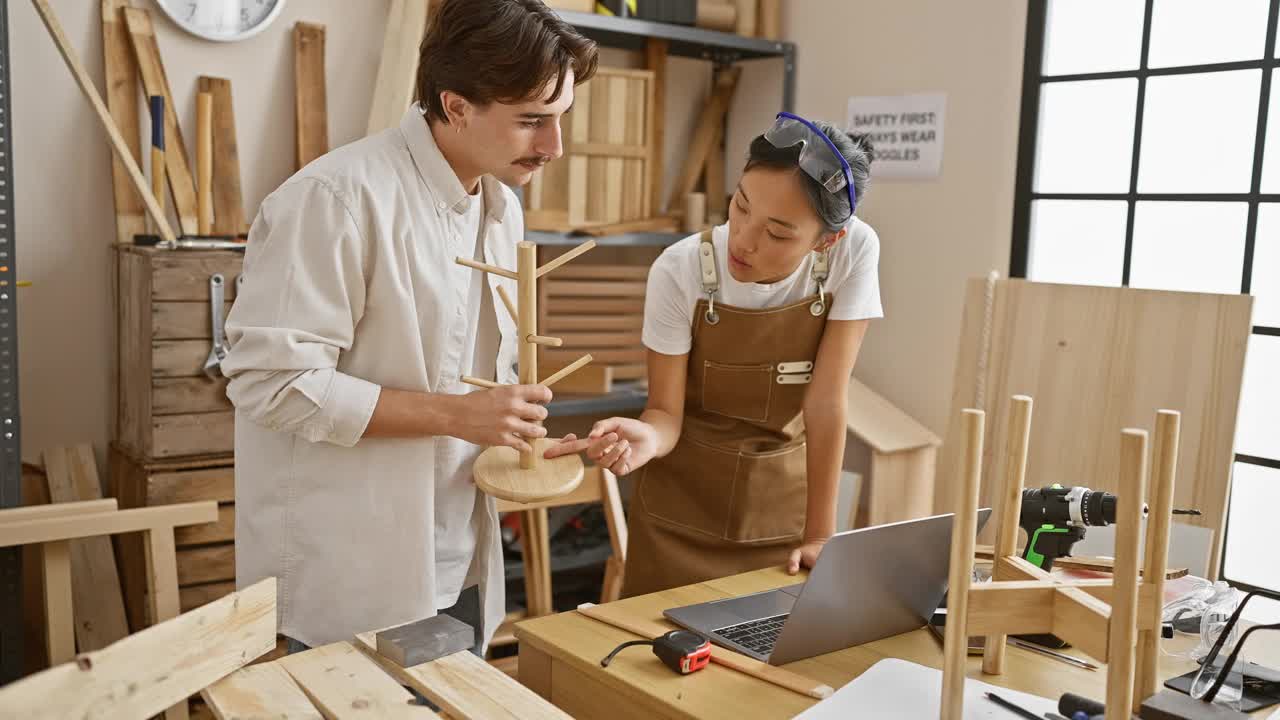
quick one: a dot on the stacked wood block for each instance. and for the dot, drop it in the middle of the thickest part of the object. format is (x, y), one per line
(174, 432)
(607, 172)
(597, 308)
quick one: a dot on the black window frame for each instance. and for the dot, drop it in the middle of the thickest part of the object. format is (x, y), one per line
(1024, 193)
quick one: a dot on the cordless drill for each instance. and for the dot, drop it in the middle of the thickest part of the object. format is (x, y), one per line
(1055, 518)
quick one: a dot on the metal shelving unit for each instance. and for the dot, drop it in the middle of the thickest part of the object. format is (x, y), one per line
(631, 34)
(11, 657)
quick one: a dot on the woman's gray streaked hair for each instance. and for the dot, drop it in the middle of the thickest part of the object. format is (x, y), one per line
(832, 208)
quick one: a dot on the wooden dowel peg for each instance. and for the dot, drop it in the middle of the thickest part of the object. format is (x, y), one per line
(544, 340)
(566, 257)
(511, 307)
(488, 384)
(486, 267)
(566, 370)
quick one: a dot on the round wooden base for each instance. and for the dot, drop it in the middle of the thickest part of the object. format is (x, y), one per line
(497, 472)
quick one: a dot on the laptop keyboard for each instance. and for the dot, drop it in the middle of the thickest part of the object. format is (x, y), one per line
(756, 635)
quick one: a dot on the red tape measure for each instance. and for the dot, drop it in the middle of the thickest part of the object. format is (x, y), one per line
(683, 651)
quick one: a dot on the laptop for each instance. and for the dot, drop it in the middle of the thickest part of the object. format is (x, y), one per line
(868, 584)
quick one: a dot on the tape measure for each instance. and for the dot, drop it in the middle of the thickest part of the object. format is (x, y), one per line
(683, 651)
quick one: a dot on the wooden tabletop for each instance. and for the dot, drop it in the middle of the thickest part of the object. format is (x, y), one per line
(560, 660)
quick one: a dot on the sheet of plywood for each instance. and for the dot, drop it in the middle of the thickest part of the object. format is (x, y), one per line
(97, 600)
(156, 82)
(1097, 360)
(310, 103)
(228, 200)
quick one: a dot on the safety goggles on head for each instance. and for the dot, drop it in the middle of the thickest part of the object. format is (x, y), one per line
(819, 157)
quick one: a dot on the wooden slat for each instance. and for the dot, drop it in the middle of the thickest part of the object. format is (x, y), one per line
(700, 145)
(60, 644)
(95, 584)
(228, 201)
(223, 530)
(564, 357)
(108, 523)
(185, 276)
(217, 484)
(133, 366)
(655, 54)
(156, 82)
(464, 686)
(36, 512)
(599, 339)
(1024, 606)
(183, 320)
(344, 683)
(579, 165)
(584, 271)
(259, 691)
(745, 24)
(192, 434)
(1082, 620)
(612, 288)
(179, 358)
(121, 72)
(881, 424)
(617, 134)
(176, 396)
(602, 306)
(310, 103)
(612, 149)
(159, 666)
(393, 88)
(558, 323)
(213, 563)
(194, 596)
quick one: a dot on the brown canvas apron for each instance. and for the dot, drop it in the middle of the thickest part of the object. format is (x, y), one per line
(730, 497)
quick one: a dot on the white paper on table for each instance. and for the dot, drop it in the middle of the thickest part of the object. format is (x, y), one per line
(899, 689)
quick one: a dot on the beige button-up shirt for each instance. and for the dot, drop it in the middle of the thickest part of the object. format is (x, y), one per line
(350, 285)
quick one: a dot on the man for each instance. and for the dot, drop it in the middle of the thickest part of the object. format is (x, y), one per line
(354, 437)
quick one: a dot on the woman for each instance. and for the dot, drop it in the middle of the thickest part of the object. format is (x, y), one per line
(752, 329)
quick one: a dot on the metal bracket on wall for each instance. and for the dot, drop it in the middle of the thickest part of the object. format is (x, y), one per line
(11, 656)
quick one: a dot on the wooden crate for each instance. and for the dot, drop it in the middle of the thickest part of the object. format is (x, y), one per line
(607, 172)
(596, 305)
(166, 407)
(206, 553)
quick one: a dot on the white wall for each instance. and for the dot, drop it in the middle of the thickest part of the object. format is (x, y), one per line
(934, 233)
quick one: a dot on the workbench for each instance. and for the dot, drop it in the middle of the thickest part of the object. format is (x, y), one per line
(560, 660)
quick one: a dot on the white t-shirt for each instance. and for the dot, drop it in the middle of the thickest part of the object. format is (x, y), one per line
(455, 489)
(675, 287)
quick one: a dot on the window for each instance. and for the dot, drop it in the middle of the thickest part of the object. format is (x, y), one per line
(1149, 157)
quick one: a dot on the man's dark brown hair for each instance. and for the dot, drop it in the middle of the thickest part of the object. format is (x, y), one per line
(503, 51)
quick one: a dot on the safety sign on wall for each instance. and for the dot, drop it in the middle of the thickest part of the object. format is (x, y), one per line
(906, 131)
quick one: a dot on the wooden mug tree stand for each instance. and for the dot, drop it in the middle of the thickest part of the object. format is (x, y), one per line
(1116, 621)
(504, 472)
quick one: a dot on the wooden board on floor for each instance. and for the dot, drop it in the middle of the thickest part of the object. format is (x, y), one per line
(1096, 360)
(228, 200)
(310, 103)
(147, 52)
(160, 666)
(97, 602)
(121, 72)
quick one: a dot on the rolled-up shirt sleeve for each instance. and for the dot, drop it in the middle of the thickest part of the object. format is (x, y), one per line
(295, 313)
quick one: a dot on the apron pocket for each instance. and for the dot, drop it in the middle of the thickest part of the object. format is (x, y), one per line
(689, 488)
(769, 494)
(737, 391)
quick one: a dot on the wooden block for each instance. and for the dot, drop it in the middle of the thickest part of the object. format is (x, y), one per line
(258, 691)
(121, 72)
(464, 686)
(310, 103)
(425, 640)
(212, 563)
(160, 666)
(95, 585)
(147, 52)
(719, 15)
(228, 202)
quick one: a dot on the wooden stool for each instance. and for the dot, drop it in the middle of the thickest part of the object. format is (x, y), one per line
(1022, 598)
